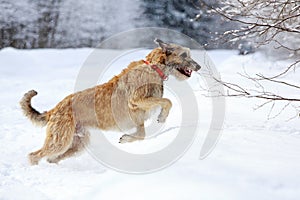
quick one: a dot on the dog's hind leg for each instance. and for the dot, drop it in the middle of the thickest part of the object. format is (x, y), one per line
(58, 140)
(50, 149)
(80, 140)
(36, 156)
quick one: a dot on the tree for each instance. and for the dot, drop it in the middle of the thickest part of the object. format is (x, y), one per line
(62, 24)
(47, 21)
(190, 18)
(265, 22)
(272, 25)
(16, 24)
(87, 23)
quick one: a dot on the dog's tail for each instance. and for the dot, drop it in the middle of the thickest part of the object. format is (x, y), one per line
(35, 116)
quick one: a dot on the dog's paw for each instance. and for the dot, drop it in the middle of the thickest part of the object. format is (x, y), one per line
(161, 118)
(52, 160)
(32, 159)
(126, 138)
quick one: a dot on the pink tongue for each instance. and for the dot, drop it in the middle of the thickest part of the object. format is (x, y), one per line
(187, 71)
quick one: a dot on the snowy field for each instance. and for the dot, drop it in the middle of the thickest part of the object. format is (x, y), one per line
(255, 158)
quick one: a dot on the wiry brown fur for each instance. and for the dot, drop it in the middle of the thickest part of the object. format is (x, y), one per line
(135, 91)
(35, 116)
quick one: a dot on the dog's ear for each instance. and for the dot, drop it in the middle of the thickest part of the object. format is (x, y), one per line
(164, 46)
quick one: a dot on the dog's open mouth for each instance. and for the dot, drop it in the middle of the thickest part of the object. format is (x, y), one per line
(185, 71)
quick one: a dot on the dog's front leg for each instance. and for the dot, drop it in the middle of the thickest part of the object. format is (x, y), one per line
(138, 135)
(148, 103)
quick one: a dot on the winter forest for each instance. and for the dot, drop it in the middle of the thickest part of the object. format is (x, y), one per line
(64, 24)
(29, 24)
(238, 115)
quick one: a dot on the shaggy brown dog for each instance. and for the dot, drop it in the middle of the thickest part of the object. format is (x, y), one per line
(121, 103)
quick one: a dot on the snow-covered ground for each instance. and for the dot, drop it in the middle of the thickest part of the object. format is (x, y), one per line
(255, 158)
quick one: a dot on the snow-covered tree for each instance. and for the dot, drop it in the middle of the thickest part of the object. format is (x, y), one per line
(47, 20)
(86, 23)
(17, 19)
(190, 18)
(273, 23)
(67, 23)
(275, 26)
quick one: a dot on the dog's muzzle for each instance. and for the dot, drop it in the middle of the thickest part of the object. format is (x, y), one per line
(195, 65)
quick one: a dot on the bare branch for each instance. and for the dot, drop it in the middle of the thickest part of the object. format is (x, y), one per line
(262, 77)
(286, 70)
(274, 22)
(243, 92)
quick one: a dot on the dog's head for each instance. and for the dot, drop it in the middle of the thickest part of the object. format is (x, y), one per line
(177, 59)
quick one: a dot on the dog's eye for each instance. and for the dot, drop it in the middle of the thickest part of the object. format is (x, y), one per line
(184, 55)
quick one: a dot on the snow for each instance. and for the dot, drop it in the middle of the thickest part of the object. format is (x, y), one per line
(255, 158)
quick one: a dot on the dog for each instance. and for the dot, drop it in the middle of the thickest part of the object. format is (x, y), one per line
(122, 103)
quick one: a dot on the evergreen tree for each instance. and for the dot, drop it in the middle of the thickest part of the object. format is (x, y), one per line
(189, 18)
